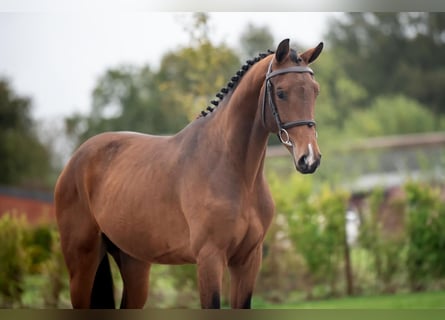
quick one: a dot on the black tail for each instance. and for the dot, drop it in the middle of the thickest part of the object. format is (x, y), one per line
(102, 296)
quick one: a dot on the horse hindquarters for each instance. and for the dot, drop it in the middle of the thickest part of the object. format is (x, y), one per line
(85, 251)
(82, 245)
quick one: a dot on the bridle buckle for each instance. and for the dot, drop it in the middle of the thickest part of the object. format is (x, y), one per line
(286, 141)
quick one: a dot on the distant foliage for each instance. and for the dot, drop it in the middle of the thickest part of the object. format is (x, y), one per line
(255, 39)
(30, 252)
(387, 248)
(160, 101)
(190, 77)
(53, 268)
(24, 160)
(39, 245)
(127, 98)
(13, 260)
(426, 236)
(400, 244)
(393, 53)
(390, 116)
(316, 227)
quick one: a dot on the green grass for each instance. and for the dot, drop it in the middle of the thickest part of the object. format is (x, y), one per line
(424, 300)
(34, 286)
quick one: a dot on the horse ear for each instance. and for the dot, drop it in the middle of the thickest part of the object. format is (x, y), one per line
(310, 55)
(282, 50)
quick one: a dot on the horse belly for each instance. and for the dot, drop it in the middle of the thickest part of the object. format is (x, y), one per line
(159, 237)
(169, 241)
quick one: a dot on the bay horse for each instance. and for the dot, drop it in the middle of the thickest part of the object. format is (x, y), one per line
(199, 196)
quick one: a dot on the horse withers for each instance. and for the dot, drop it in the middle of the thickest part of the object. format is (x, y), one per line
(199, 196)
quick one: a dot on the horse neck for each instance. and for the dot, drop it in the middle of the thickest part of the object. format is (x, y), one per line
(239, 123)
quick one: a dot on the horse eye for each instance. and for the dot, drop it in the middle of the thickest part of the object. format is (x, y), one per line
(281, 95)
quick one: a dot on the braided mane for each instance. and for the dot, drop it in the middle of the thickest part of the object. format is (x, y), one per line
(232, 83)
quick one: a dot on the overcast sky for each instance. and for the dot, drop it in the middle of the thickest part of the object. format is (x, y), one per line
(55, 58)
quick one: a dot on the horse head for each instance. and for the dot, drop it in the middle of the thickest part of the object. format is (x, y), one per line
(288, 104)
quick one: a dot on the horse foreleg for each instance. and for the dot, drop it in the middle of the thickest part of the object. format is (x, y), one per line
(135, 276)
(211, 265)
(242, 279)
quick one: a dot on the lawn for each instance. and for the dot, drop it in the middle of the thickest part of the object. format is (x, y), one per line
(34, 298)
(423, 300)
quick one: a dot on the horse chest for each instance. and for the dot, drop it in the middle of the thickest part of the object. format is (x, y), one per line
(250, 228)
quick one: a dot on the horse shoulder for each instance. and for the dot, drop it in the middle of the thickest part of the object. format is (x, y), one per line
(264, 203)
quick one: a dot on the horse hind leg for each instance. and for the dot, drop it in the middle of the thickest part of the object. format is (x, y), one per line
(84, 254)
(83, 263)
(91, 283)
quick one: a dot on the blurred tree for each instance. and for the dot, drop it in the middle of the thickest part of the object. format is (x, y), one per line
(24, 160)
(198, 28)
(389, 53)
(255, 39)
(191, 76)
(339, 94)
(127, 98)
(158, 102)
(389, 116)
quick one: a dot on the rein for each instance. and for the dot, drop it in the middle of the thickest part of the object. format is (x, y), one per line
(282, 134)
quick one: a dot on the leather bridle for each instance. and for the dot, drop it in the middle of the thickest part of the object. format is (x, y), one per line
(283, 135)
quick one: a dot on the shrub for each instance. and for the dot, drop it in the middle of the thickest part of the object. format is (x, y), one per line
(39, 246)
(13, 259)
(426, 236)
(316, 227)
(386, 247)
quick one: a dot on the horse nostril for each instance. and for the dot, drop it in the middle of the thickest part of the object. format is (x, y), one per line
(307, 164)
(303, 162)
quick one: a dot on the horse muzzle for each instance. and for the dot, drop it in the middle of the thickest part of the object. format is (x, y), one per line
(307, 162)
(303, 166)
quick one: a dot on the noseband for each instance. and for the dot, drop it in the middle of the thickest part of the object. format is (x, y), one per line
(283, 135)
